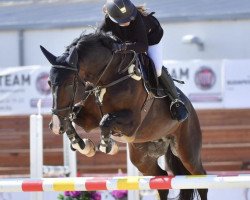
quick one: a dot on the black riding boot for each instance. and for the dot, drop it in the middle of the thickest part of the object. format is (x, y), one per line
(177, 107)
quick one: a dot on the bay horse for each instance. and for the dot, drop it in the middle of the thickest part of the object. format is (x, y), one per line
(94, 87)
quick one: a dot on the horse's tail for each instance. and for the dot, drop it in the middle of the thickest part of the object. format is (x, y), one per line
(176, 166)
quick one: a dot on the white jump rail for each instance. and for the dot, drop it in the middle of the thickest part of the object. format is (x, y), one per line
(125, 183)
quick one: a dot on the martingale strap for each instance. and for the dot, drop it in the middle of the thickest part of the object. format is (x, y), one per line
(146, 107)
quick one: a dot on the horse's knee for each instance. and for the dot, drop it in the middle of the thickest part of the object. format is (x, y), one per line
(106, 121)
(106, 124)
(120, 120)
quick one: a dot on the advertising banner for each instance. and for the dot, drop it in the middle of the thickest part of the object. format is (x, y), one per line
(236, 83)
(22, 87)
(203, 83)
(209, 84)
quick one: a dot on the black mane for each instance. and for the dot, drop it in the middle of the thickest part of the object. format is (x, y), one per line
(84, 40)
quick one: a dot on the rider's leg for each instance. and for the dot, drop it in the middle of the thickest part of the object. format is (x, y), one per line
(155, 53)
(177, 107)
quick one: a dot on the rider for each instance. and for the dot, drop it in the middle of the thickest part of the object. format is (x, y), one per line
(141, 32)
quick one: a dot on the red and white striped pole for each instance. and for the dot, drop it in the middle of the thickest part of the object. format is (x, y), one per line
(125, 183)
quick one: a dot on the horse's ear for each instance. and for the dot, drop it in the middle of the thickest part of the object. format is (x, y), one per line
(51, 58)
(72, 59)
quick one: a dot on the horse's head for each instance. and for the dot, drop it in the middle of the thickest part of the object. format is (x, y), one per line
(83, 61)
(62, 81)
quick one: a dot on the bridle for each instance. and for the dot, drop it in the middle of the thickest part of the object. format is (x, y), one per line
(69, 109)
(95, 88)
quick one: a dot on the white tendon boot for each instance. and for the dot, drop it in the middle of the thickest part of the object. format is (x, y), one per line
(89, 149)
(109, 147)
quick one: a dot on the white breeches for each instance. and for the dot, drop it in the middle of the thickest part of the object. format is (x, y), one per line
(155, 52)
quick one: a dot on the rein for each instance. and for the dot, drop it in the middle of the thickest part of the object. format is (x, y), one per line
(120, 79)
(96, 89)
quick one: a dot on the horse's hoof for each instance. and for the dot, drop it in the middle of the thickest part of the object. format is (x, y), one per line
(114, 150)
(77, 145)
(88, 150)
(110, 147)
(72, 148)
(92, 149)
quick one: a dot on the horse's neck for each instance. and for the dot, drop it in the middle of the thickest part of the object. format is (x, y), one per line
(116, 68)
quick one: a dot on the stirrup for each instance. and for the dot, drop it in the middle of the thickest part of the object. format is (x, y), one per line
(178, 110)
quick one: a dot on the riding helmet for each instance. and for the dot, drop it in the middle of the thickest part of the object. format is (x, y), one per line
(121, 11)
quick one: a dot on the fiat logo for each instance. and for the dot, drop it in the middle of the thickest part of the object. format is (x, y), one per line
(205, 78)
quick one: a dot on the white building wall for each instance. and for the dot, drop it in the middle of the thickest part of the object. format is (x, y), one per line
(222, 39)
(54, 40)
(9, 52)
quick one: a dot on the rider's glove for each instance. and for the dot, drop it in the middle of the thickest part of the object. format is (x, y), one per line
(117, 47)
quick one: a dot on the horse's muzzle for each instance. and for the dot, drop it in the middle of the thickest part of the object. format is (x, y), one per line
(56, 126)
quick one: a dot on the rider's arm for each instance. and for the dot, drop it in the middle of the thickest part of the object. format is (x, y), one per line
(140, 37)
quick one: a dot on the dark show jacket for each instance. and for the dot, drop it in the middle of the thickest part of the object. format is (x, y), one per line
(141, 32)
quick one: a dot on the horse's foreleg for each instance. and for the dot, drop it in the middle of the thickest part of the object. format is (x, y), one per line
(121, 121)
(84, 146)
